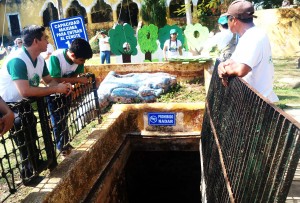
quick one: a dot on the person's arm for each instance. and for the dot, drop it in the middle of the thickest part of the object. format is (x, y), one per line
(180, 50)
(18, 72)
(232, 68)
(29, 91)
(74, 78)
(94, 38)
(7, 119)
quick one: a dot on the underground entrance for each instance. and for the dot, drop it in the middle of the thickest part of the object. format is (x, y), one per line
(163, 177)
(128, 160)
(151, 169)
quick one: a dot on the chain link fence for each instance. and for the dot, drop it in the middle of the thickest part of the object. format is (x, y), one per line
(43, 129)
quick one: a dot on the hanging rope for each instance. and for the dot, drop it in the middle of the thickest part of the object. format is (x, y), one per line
(3, 23)
(120, 11)
(128, 9)
(119, 20)
(129, 13)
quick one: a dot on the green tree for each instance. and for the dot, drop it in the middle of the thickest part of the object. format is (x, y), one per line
(154, 12)
(123, 42)
(147, 37)
(265, 4)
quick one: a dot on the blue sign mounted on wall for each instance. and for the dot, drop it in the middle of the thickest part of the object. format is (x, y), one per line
(161, 118)
(64, 31)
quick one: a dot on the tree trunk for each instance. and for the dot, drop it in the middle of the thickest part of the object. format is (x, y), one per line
(188, 11)
(126, 58)
(60, 9)
(148, 56)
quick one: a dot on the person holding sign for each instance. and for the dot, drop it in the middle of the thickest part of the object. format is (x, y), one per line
(20, 77)
(64, 66)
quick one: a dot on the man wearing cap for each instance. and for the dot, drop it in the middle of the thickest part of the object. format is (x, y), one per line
(173, 46)
(225, 41)
(104, 47)
(252, 58)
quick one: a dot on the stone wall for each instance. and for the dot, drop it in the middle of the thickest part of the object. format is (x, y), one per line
(283, 28)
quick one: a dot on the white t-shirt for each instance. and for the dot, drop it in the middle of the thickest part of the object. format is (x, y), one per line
(221, 39)
(8, 89)
(254, 50)
(173, 50)
(103, 45)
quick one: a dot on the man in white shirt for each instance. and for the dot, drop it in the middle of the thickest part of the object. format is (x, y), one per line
(104, 47)
(20, 77)
(252, 58)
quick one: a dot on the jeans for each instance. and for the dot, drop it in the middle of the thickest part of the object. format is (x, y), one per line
(105, 55)
(59, 118)
(25, 136)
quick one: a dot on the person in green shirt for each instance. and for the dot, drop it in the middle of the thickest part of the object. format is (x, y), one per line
(65, 65)
(20, 77)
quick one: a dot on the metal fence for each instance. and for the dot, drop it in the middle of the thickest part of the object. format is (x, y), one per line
(31, 146)
(250, 147)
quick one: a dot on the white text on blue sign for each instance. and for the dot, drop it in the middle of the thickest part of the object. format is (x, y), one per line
(162, 119)
(64, 31)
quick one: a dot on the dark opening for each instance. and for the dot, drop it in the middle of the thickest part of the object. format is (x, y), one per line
(101, 12)
(49, 14)
(14, 25)
(128, 13)
(163, 177)
(76, 10)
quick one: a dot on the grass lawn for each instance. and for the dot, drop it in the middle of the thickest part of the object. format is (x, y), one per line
(287, 81)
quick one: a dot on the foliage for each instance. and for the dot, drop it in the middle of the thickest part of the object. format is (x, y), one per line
(147, 37)
(184, 92)
(265, 4)
(164, 34)
(154, 12)
(121, 35)
(196, 36)
(182, 10)
(95, 46)
(208, 8)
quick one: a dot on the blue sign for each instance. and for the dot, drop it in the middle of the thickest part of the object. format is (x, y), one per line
(160, 118)
(64, 31)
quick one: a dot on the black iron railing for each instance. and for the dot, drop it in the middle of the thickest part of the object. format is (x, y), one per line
(250, 147)
(31, 147)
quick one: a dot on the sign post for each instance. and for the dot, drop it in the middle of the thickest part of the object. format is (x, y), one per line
(64, 31)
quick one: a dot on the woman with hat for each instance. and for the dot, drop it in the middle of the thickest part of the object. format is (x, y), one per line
(225, 40)
(173, 46)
